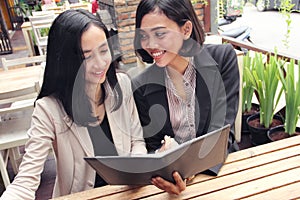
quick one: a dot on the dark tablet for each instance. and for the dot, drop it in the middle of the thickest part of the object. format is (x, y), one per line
(188, 159)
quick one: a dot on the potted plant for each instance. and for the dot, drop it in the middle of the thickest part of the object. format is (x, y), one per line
(248, 108)
(26, 10)
(264, 78)
(291, 88)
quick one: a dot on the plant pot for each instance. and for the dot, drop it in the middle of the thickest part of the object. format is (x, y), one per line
(278, 133)
(258, 133)
(245, 115)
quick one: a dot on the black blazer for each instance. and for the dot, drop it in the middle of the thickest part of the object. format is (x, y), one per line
(217, 96)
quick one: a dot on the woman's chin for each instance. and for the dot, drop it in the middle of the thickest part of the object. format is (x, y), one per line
(102, 80)
(160, 63)
(163, 61)
(97, 81)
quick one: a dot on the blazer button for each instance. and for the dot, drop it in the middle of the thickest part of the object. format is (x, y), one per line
(90, 184)
(68, 119)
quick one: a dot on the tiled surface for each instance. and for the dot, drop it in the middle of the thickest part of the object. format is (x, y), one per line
(48, 175)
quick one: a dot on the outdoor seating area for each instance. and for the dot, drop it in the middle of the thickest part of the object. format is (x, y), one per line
(269, 88)
(39, 24)
(15, 118)
(124, 192)
(20, 80)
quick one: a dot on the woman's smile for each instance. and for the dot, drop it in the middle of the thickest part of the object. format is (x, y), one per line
(99, 74)
(157, 54)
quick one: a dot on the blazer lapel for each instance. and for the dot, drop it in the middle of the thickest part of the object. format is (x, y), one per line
(119, 124)
(82, 135)
(156, 96)
(205, 77)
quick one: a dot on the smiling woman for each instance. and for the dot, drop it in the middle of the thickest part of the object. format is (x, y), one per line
(85, 108)
(190, 88)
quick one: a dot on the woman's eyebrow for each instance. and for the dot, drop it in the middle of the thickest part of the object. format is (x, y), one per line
(86, 51)
(100, 46)
(153, 29)
(156, 28)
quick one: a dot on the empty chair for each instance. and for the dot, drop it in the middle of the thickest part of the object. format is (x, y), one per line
(14, 122)
(33, 60)
(43, 12)
(74, 4)
(40, 26)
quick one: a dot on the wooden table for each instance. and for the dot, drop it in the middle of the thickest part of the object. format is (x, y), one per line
(270, 171)
(20, 77)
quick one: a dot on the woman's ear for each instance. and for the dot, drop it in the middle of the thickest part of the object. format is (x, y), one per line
(187, 29)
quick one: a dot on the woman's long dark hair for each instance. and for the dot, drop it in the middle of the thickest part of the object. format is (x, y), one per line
(178, 11)
(64, 61)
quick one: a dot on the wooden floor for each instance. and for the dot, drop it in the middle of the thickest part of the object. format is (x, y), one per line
(48, 175)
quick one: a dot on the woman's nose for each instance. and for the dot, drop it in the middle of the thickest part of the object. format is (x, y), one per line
(99, 61)
(152, 43)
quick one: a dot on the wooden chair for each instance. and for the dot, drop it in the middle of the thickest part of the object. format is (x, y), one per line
(40, 26)
(33, 60)
(43, 12)
(85, 6)
(14, 122)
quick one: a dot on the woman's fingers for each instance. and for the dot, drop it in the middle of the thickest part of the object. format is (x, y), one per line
(166, 144)
(161, 183)
(181, 184)
(190, 178)
(168, 186)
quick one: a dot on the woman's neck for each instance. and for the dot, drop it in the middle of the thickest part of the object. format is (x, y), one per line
(176, 75)
(94, 92)
(177, 80)
(179, 64)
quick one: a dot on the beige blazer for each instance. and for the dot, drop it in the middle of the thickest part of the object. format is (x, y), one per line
(52, 129)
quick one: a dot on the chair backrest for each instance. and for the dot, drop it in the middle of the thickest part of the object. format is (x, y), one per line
(41, 25)
(18, 100)
(43, 12)
(16, 109)
(77, 5)
(33, 60)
